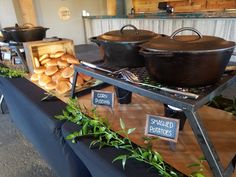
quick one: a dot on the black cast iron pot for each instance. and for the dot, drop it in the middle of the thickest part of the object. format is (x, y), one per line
(121, 47)
(187, 60)
(24, 33)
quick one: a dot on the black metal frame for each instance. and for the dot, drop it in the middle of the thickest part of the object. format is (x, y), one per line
(189, 106)
(21, 56)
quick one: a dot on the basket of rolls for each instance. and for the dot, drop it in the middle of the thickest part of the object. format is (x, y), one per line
(51, 66)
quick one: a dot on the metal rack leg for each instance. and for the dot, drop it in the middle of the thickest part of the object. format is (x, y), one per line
(1, 100)
(74, 84)
(207, 146)
(22, 59)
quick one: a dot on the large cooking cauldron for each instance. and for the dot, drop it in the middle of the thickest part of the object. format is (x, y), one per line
(121, 47)
(24, 33)
(187, 60)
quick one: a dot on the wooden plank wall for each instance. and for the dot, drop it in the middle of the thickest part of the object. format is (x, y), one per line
(151, 6)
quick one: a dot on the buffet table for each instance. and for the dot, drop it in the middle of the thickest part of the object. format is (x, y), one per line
(35, 118)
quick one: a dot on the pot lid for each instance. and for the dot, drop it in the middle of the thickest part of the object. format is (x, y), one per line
(187, 43)
(127, 35)
(26, 26)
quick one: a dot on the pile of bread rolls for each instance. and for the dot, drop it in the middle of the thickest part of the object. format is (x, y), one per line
(54, 71)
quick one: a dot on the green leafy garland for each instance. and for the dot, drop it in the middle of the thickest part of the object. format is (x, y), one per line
(11, 73)
(104, 136)
(93, 125)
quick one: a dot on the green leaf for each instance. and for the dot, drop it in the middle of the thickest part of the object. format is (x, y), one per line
(130, 130)
(65, 113)
(174, 174)
(199, 175)
(93, 143)
(124, 161)
(72, 136)
(123, 158)
(122, 124)
(194, 165)
(108, 136)
(60, 117)
(85, 128)
(140, 150)
(102, 129)
(126, 146)
(202, 159)
(145, 154)
(158, 155)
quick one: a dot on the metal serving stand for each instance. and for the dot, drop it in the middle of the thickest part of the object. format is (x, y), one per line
(18, 48)
(189, 106)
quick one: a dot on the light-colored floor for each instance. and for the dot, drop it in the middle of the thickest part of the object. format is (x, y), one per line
(18, 158)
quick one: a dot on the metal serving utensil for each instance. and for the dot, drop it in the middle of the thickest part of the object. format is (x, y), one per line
(90, 65)
(131, 77)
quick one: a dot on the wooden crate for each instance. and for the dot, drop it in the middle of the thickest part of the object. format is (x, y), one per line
(38, 48)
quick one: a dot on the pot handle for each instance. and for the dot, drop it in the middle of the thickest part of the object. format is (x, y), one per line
(184, 29)
(95, 40)
(129, 25)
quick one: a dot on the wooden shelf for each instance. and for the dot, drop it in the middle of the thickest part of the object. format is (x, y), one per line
(150, 6)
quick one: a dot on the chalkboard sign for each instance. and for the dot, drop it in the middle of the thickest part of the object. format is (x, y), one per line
(163, 127)
(102, 98)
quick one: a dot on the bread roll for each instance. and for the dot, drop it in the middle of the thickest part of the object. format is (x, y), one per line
(50, 70)
(34, 77)
(52, 55)
(62, 63)
(60, 79)
(56, 76)
(72, 60)
(66, 56)
(51, 86)
(63, 87)
(67, 72)
(44, 80)
(36, 62)
(85, 77)
(58, 54)
(52, 62)
(46, 60)
(79, 81)
(40, 70)
(44, 56)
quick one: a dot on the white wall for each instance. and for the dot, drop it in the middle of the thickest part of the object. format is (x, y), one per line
(47, 15)
(7, 14)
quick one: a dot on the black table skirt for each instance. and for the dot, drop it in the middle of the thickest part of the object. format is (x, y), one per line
(36, 121)
(99, 161)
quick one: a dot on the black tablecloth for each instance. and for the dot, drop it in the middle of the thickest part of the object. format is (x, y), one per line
(36, 120)
(99, 161)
